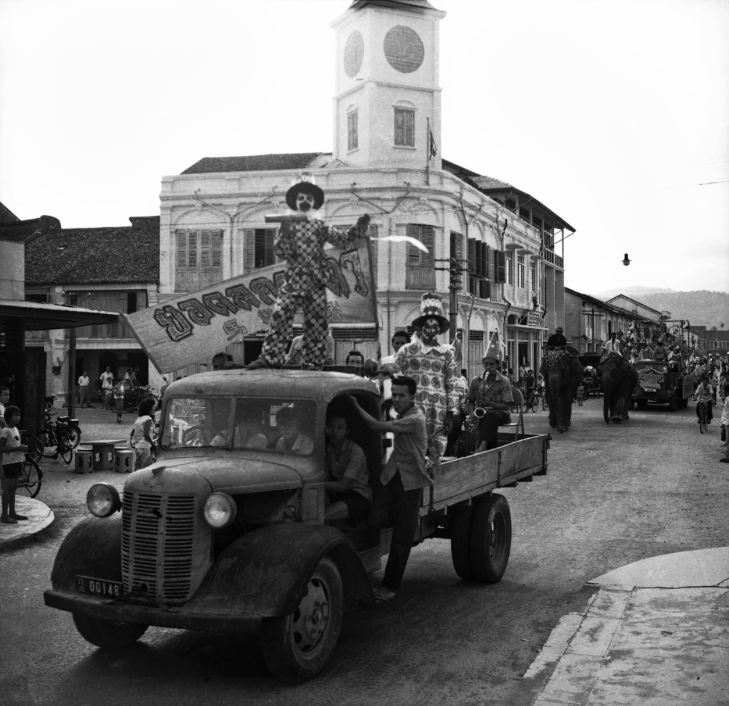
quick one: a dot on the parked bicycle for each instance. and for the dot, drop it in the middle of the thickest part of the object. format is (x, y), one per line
(531, 401)
(133, 396)
(31, 477)
(57, 439)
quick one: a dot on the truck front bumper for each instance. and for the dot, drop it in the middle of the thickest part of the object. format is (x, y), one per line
(166, 617)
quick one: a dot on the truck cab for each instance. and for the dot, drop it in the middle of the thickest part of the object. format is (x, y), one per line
(663, 382)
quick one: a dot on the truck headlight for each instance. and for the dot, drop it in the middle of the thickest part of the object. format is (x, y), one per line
(103, 499)
(220, 510)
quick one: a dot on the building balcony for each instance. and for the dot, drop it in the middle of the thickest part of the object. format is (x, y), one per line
(552, 258)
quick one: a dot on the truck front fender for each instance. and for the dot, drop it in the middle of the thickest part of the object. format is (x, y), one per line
(91, 548)
(266, 572)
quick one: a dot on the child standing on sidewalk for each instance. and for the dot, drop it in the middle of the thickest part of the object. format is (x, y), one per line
(13, 456)
(142, 434)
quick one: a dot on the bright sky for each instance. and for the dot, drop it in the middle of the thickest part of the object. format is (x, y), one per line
(613, 113)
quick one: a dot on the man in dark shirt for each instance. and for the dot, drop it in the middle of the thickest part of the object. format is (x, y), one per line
(557, 339)
(398, 499)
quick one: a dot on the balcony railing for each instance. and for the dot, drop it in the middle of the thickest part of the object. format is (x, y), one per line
(422, 278)
(553, 258)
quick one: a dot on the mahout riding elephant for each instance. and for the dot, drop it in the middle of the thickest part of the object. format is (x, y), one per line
(562, 375)
(619, 378)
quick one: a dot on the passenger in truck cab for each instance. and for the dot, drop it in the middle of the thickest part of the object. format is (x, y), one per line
(348, 490)
(292, 439)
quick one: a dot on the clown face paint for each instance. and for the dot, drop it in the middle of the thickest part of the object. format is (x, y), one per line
(304, 202)
(430, 331)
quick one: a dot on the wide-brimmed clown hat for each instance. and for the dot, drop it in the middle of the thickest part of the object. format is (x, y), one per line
(493, 352)
(304, 187)
(431, 307)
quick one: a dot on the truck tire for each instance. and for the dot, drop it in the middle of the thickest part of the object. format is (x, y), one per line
(490, 539)
(297, 647)
(461, 541)
(106, 634)
(673, 404)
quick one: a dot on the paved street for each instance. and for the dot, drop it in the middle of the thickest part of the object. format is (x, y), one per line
(613, 495)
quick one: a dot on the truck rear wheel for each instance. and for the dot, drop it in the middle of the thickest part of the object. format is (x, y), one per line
(297, 647)
(490, 539)
(461, 541)
(106, 634)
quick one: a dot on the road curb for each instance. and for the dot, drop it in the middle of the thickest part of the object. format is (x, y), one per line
(40, 518)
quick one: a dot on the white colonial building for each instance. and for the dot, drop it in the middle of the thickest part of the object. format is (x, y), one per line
(386, 162)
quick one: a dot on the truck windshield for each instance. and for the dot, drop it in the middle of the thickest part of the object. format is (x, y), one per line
(285, 426)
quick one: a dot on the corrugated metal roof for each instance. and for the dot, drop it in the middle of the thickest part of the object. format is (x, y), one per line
(42, 317)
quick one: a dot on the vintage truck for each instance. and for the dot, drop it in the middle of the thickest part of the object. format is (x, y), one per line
(225, 528)
(663, 382)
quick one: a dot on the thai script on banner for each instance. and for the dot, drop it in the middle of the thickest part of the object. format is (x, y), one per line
(199, 324)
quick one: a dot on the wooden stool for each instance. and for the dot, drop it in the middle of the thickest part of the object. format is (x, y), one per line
(84, 460)
(123, 460)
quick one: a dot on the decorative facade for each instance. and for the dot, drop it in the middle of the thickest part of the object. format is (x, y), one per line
(488, 250)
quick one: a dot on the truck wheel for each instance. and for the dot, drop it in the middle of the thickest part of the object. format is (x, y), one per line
(461, 541)
(490, 539)
(297, 647)
(673, 404)
(104, 633)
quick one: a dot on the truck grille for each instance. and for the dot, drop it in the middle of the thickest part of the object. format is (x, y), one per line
(157, 545)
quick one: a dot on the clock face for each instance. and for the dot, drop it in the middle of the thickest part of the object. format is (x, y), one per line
(353, 54)
(404, 49)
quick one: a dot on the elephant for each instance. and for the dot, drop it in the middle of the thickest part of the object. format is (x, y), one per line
(562, 376)
(619, 378)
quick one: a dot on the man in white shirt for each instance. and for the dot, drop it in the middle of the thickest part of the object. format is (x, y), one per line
(83, 386)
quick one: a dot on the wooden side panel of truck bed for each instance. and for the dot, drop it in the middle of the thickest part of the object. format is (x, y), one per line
(462, 478)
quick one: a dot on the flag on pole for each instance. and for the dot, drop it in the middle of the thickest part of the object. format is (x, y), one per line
(432, 150)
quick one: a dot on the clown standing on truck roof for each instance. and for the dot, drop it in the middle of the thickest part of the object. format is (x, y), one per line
(300, 241)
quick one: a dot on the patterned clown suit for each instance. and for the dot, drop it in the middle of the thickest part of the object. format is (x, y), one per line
(301, 244)
(434, 368)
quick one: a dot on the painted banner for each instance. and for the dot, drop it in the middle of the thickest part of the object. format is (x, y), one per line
(197, 325)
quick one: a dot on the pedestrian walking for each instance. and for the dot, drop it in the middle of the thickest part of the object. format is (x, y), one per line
(118, 393)
(12, 454)
(725, 424)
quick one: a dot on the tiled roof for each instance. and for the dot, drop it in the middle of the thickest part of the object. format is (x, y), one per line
(6, 215)
(25, 231)
(81, 256)
(254, 163)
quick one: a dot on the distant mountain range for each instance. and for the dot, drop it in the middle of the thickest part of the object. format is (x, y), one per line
(701, 308)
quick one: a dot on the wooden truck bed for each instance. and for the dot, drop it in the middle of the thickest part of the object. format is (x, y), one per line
(460, 479)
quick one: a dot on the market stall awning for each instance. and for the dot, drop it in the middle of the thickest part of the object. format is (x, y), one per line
(42, 317)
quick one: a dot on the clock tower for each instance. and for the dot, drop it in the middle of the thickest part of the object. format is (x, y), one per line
(387, 95)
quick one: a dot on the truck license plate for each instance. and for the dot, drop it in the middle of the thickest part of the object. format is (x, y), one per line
(99, 587)
(650, 389)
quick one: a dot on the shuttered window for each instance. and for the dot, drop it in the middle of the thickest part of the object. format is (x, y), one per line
(352, 130)
(258, 248)
(533, 274)
(404, 127)
(509, 268)
(420, 265)
(199, 259)
(520, 271)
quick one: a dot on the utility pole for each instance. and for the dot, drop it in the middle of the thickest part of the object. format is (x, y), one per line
(456, 271)
(71, 300)
(593, 313)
